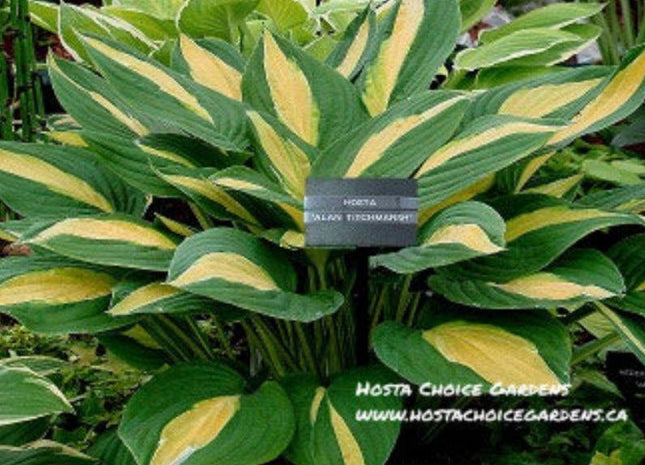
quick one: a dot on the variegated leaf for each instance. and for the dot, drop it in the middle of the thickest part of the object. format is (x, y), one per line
(465, 347)
(553, 16)
(284, 156)
(619, 97)
(73, 20)
(43, 453)
(169, 97)
(460, 232)
(318, 105)
(355, 46)
(89, 99)
(213, 64)
(200, 413)
(523, 44)
(327, 430)
(538, 230)
(26, 395)
(57, 296)
(112, 240)
(395, 143)
(50, 181)
(415, 38)
(233, 267)
(466, 159)
(577, 277)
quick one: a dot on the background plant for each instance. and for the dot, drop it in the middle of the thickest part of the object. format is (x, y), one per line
(172, 203)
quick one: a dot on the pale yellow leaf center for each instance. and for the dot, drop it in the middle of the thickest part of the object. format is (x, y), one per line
(53, 178)
(375, 147)
(292, 96)
(544, 100)
(107, 230)
(350, 450)
(477, 141)
(355, 51)
(550, 216)
(55, 287)
(472, 236)
(166, 83)
(143, 296)
(194, 430)
(210, 70)
(547, 286)
(290, 163)
(229, 267)
(382, 76)
(493, 353)
(620, 89)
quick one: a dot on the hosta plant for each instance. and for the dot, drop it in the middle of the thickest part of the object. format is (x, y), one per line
(174, 197)
(153, 26)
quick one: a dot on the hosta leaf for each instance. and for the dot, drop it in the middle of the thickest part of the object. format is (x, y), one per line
(285, 14)
(50, 181)
(262, 198)
(564, 187)
(233, 267)
(585, 35)
(630, 327)
(213, 64)
(112, 240)
(23, 433)
(26, 395)
(577, 277)
(469, 193)
(135, 347)
(214, 18)
(355, 46)
(168, 97)
(538, 230)
(415, 39)
(110, 450)
(155, 297)
(89, 20)
(466, 159)
(238, 193)
(460, 232)
(283, 155)
(554, 16)
(157, 29)
(201, 413)
(395, 143)
(12, 231)
(89, 100)
(523, 43)
(629, 255)
(56, 296)
(630, 199)
(137, 161)
(619, 97)
(473, 11)
(327, 430)
(461, 347)
(318, 105)
(165, 9)
(558, 95)
(44, 14)
(41, 364)
(43, 453)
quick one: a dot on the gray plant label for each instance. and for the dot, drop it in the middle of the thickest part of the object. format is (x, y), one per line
(361, 212)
